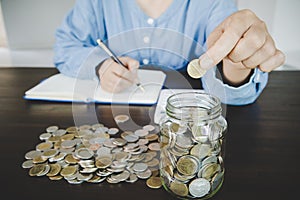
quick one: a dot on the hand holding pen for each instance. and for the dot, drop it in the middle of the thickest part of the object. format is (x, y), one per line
(117, 74)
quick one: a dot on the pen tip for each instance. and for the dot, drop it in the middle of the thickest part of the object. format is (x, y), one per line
(141, 87)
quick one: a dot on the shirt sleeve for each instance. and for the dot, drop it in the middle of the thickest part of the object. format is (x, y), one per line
(76, 52)
(245, 94)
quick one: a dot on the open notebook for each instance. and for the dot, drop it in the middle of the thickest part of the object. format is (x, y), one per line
(59, 87)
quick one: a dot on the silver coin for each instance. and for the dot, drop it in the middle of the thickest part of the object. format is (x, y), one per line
(119, 141)
(59, 132)
(75, 182)
(199, 187)
(109, 143)
(140, 167)
(102, 129)
(68, 144)
(104, 151)
(122, 176)
(132, 178)
(141, 132)
(149, 128)
(145, 174)
(27, 164)
(131, 138)
(51, 129)
(112, 131)
(201, 150)
(209, 160)
(33, 154)
(142, 141)
(45, 136)
(84, 153)
(183, 141)
(81, 177)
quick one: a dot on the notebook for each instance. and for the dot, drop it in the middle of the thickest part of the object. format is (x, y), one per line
(60, 87)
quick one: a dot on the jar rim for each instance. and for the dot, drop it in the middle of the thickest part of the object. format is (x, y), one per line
(203, 102)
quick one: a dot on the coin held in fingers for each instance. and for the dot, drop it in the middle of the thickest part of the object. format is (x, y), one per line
(194, 69)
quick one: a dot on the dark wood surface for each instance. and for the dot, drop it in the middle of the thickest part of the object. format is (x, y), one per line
(262, 146)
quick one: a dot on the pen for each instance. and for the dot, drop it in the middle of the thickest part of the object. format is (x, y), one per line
(115, 58)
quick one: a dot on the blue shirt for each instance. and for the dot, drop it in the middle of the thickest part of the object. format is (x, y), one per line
(169, 41)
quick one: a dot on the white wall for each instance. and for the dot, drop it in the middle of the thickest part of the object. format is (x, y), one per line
(31, 23)
(2, 30)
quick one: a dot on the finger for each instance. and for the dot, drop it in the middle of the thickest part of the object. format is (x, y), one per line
(263, 54)
(123, 72)
(234, 28)
(272, 63)
(253, 39)
(130, 63)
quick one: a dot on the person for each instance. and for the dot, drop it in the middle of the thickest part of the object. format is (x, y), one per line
(235, 41)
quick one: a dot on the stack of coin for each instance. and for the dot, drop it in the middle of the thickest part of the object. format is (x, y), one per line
(191, 160)
(95, 153)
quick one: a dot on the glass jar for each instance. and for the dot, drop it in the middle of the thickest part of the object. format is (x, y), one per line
(192, 137)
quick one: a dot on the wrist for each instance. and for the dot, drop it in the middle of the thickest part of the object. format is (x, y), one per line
(234, 74)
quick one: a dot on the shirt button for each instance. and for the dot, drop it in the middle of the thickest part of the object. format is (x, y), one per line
(145, 61)
(257, 78)
(150, 21)
(146, 39)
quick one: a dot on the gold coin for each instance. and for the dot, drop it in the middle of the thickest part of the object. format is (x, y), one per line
(154, 182)
(70, 159)
(68, 136)
(39, 159)
(154, 162)
(54, 169)
(54, 139)
(55, 178)
(210, 170)
(44, 146)
(68, 170)
(174, 127)
(57, 145)
(179, 189)
(103, 162)
(50, 153)
(121, 118)
(187, 165)
(195, 70)
(37, 169)
(72, 129)
(151, 137)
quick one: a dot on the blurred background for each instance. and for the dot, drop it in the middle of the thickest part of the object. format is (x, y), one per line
(27, 29)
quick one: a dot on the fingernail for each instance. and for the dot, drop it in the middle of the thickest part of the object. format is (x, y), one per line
(206, 62)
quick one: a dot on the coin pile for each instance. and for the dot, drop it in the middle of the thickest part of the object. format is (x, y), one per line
(191, 160)
(95, 153)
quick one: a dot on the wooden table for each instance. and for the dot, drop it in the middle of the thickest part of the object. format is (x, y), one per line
(262, 147)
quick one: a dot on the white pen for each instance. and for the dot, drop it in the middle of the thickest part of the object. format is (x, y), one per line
(116, 59)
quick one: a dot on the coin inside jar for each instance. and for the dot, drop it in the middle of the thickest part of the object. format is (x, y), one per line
(187, 165)
(195, 70)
